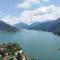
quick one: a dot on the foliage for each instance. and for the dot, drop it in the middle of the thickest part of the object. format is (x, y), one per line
(11, 48)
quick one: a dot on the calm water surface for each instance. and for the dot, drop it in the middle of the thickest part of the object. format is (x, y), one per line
(38, 44)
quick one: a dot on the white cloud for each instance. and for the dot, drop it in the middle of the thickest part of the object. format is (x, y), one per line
(10, 19)
(41, 14)
(24, 5)
(46, 0)
(44, 13)
(29, 3)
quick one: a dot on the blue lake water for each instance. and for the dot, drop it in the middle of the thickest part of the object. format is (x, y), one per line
(38, 44)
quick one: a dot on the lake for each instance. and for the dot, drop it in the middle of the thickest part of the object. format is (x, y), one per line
(38, 44)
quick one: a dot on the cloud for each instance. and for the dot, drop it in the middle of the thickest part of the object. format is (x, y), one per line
(41, 14)
(10, 19)
(29, 3)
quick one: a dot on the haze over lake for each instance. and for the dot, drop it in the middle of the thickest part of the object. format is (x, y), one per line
(38, 44)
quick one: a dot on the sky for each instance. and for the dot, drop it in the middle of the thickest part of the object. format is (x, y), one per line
(29, 11)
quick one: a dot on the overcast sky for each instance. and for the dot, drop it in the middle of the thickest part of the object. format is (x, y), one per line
(29, 11)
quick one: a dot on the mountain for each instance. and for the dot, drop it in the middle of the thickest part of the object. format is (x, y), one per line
(56, 27)
(21, 26)
(50, 26)
(6, 27)
(45, 26)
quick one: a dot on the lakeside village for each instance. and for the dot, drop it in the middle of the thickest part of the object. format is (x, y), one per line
(11, 51)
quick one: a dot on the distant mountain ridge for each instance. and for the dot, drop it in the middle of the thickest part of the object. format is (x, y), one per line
(50, 26)
(56, 27)
(45, 26)
(5, 27)
(21, 26)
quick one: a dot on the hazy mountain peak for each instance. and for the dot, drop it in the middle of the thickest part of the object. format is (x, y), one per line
(5, 27)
